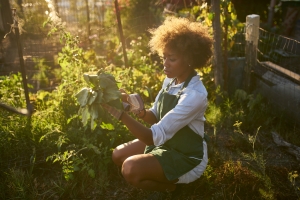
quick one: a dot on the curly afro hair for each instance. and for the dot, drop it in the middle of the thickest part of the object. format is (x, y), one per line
(190, 39)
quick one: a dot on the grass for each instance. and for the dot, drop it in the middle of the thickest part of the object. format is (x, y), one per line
(238, 169)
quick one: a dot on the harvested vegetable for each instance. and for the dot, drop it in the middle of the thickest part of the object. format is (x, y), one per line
(102, 89)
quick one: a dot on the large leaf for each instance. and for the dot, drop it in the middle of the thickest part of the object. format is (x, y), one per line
(94, 114)
(106, 80)
(92, 97)
(94, 79)
(110, 94)
(110, 89)
(83, 96)
(85, 115)
(104, 90)
(99, 98)
(117, 103)
(86, 78)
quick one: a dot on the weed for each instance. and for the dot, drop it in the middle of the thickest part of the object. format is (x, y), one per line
(292, 176)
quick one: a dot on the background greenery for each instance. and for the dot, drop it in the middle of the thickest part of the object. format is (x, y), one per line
(51, 155)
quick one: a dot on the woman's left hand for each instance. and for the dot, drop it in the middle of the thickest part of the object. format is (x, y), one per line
(113, 111)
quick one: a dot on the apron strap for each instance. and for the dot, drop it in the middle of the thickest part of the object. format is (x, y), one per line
(186, 82)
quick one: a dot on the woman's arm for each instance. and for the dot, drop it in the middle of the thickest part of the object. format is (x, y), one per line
(143, 133)
(147, 116)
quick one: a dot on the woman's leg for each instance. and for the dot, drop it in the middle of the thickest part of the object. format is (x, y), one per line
(123, 151)
(145, 172)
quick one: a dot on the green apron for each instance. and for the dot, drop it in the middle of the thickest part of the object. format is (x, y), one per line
(184, 151)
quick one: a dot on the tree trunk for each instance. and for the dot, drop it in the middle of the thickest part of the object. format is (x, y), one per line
(217, 59)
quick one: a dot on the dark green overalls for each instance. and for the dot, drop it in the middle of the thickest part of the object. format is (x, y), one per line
(177, 155)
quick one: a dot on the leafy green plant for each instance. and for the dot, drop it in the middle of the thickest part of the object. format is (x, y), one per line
(214, 116)
(257, 164)
(20, 184)
(292, 176)
(104, 90)
(41, 77)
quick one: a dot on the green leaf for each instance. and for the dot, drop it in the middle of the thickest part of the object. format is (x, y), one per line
(111, 93)
(85, 115)
(211, 16)
(76, 168)
(107, 126)
(94, 115)
(107, 80)
(116, 103)
(92, 97)
(99, 97)
(94, 79)
(104, 90)
(100, 111)
(86, 78)
(91, 172)
(82, 96)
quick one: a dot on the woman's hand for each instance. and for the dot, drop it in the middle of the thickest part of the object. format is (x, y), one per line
(135, 102)
(113, 111)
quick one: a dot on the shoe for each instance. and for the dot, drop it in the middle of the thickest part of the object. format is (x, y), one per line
(157, 196)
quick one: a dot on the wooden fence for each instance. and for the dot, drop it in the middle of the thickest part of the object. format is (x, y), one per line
(272, 68)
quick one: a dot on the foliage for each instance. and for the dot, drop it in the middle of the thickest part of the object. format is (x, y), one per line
(229, 22)
(79, 157)
(41, 76)
(30, 15)
(104, 91)
(138, 16)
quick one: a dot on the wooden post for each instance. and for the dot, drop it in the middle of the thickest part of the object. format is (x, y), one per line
(23, 70)
(271, 13)
(252, 36)
(121, 33)
(88, 21)
(217, 58)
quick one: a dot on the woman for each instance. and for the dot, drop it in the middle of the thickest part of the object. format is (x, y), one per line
(173, 149)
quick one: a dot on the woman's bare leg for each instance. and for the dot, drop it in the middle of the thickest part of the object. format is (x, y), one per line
(145, 172)
(123, 151)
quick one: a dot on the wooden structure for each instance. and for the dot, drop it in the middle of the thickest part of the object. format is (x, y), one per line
(279, 85)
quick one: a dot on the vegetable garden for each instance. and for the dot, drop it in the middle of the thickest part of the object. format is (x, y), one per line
(63, 150)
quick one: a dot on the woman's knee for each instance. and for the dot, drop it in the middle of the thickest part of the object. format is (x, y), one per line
(117, 157)
(126, 150)
(130, 171)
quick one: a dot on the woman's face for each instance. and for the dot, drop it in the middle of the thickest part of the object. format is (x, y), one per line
(175, 65)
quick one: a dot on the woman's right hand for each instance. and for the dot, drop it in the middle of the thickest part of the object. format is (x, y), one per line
(135, 102)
